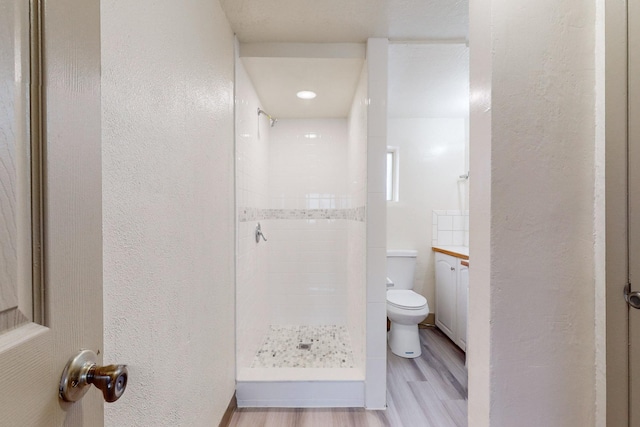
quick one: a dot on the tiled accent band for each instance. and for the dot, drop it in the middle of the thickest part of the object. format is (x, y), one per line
(256, 214)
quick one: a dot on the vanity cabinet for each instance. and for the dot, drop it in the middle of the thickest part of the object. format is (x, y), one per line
(452, 289)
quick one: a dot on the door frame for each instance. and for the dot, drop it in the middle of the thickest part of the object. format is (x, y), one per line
(616, 376)
(72, 188)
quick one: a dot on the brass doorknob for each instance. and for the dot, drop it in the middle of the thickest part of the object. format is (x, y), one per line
(82, 371)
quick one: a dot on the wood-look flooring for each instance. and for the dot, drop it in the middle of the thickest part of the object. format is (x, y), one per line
(429, 391)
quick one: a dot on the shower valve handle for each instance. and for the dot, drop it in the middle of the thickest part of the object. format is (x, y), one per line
(259, 234)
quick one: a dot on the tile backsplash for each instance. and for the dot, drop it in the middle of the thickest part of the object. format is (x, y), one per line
(450, 228)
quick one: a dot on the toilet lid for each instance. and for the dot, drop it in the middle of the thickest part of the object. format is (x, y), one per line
(405, 299)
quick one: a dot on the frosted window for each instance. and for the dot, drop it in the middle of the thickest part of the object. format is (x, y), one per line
(392, 174)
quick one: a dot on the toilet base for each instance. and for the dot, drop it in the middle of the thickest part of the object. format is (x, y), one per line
(404, 340)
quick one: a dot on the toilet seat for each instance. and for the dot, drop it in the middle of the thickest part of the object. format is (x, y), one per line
(406, 299)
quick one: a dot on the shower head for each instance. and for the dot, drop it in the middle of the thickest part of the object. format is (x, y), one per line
(272, 121)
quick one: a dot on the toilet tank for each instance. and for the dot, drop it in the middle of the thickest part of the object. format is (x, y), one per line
(401, 267)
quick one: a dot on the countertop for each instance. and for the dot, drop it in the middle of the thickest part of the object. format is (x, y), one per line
(456, 251)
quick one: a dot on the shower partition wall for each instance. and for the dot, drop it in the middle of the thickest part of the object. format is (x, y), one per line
(301, 294)
(252, 161)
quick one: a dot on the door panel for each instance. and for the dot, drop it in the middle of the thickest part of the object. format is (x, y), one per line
(15, 189)
(634, 203)
(33, 355)
(446, 294)
(462, 305)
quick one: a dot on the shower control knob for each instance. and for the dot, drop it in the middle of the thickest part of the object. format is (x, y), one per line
(259, 234)
(82, 371)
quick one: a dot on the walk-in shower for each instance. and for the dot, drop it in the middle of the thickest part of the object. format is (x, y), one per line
(301, 287)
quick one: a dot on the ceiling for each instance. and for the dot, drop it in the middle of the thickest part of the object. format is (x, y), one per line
(340, 21)
(277, 80)
(422, 82)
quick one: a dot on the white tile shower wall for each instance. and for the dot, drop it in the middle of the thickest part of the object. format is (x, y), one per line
(307, 271)
(252, 145)
(357, 249)
(252, 159)
(307, 268)
(251, 293)
(356, 289)
(450, 227)
(357, 148)
(377, 63)
(308, 163)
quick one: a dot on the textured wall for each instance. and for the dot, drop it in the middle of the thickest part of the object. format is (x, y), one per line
(532, 281)
(168, 209)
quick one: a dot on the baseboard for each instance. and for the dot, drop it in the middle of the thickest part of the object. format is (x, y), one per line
(228, 414)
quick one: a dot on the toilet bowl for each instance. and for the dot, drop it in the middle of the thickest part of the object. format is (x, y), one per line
(405, 308)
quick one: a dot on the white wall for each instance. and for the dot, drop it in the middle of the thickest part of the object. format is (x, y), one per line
(431, 153)
(532, 315)
(167, 91)
(252, 186)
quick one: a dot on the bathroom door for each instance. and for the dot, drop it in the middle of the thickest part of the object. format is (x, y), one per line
(42, 326)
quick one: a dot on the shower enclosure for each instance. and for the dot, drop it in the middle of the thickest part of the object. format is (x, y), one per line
(300, 288)
(301, 282)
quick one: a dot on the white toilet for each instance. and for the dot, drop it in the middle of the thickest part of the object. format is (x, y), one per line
(405, 308)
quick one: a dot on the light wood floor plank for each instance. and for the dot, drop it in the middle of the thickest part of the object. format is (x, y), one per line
(428, 391)
(404, 404)
(450, 355)
(433, 409)
(457, 410)
(391, 413)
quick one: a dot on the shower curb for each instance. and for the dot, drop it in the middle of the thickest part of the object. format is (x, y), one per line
(300, 394)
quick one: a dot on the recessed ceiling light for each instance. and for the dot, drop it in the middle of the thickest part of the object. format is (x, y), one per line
(311, 135)
(306, 94)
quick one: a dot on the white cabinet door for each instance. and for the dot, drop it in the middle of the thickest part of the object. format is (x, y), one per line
(446, 294)
(463, 304)
(40, 329)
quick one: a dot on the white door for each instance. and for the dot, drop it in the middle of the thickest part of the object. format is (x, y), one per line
(49, 312)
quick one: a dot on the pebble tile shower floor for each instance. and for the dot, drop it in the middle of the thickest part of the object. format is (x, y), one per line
(325, 346)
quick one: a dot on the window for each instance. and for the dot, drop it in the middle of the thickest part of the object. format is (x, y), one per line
(392, 174)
